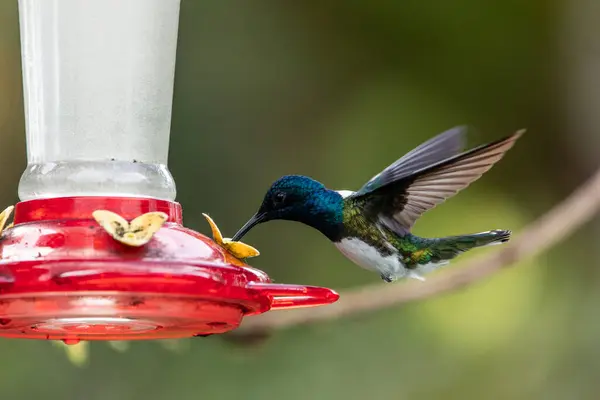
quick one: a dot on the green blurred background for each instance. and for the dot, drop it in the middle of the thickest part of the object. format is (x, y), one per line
(337, 91)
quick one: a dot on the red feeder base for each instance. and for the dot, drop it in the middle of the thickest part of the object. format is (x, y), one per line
(62, 276)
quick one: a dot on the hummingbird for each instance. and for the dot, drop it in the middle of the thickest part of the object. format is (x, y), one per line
(372, 226)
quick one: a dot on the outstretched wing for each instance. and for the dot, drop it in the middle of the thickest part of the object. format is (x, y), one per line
(399, 203)
(440, 147)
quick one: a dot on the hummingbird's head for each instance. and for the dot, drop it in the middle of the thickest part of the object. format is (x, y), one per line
(297, 198)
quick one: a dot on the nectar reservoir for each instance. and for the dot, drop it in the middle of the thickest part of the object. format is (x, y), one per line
(97, 100)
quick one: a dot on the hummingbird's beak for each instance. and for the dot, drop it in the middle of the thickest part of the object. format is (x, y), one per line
(255, 220)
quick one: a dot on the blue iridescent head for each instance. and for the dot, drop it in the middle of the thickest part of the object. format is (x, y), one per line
(299, 198)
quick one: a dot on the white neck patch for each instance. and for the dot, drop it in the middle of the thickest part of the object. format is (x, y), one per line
(345, 193)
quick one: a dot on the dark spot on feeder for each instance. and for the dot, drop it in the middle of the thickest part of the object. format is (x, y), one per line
(153, 252)
(125, 251)
(136, 301)
(39, 254)
(5, 321)
(135, 161)
(203, 334)
(60, 280)
(217, 324)
(112, 159)
(92, 226)
(6, 279)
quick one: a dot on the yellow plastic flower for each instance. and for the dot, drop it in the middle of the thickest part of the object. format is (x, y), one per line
(237, 249)
(4, 216)
(135, 233)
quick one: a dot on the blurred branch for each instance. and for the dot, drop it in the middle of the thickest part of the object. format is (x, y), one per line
(552, 227)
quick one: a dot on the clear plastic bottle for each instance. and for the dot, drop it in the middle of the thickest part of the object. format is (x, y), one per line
(98, 86)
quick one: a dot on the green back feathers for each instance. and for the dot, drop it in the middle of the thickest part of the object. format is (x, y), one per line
(358, 225)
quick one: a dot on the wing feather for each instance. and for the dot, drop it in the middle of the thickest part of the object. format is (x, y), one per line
(400, 203)
(440, 147)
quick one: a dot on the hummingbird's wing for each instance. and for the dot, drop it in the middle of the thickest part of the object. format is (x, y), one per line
(401, 202)
(440, 147)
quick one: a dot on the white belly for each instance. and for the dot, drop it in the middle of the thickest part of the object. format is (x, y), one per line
(369, 258)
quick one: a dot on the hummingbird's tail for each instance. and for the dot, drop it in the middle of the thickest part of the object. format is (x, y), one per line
(445, 249)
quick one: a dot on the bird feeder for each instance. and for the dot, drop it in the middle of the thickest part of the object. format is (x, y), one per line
(98, 84)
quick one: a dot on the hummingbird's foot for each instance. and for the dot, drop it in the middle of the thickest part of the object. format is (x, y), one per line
(387, 278)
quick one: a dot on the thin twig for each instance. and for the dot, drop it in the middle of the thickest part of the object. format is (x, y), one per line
(555, 225)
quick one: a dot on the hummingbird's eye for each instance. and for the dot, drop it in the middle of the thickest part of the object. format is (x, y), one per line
(279, 198)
